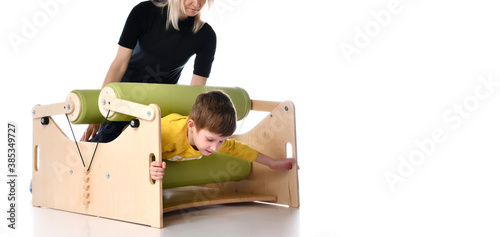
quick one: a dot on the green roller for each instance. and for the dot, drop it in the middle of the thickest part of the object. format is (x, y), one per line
(216, 168)
(89, 112)
(174, 98)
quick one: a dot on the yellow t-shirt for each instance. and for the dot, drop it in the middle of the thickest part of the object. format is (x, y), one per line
(176, 147)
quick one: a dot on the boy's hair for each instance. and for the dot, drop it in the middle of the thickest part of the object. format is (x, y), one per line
(215, 112)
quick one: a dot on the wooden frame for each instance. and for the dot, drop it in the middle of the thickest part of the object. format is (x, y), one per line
(118, 184)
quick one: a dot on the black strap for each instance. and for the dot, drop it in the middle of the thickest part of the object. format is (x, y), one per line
(78, 147)
(106, 119)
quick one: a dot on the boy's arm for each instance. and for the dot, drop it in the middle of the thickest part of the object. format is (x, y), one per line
(275, 164)
(238, 149)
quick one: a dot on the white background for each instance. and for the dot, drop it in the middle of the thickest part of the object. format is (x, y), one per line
(358, 116)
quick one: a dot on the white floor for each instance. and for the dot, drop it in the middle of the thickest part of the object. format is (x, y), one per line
(345, 204)
(250, 219)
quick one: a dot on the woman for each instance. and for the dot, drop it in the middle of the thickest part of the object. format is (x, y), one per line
(157, 40)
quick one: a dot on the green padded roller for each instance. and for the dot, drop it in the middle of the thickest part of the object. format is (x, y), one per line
(216, 168)
(89, 110)
(174, 98)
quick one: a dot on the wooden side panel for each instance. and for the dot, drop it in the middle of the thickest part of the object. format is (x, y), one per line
(118, 184)
(271, 137)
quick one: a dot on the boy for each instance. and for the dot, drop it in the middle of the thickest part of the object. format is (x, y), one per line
(207, 128)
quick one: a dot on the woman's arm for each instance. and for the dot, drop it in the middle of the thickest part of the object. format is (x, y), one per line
(198, 80)
(118, 66)
(115, 74)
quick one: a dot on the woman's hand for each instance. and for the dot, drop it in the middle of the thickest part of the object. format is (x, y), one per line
(90, 132)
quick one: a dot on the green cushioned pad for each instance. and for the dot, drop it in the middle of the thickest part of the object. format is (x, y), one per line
(216, 168)
(90, 113)
(174, 98)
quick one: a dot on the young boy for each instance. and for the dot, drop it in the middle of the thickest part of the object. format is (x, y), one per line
(210, 123)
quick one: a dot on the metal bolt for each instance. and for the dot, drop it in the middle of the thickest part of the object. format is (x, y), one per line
(103, 102)
(67, 107)
(70, 171)
(286, 108)
(33, 112)
(148, 113)
(107, 175)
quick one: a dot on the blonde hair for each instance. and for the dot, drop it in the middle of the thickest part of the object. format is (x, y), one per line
(174, 13)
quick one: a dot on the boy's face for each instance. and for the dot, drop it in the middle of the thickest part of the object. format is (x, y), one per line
(203, 140)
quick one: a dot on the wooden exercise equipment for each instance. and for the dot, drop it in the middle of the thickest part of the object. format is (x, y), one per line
(117, 185)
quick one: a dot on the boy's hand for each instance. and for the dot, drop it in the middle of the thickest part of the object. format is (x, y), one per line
(282, 164)
(157, 170)
(275, 164)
